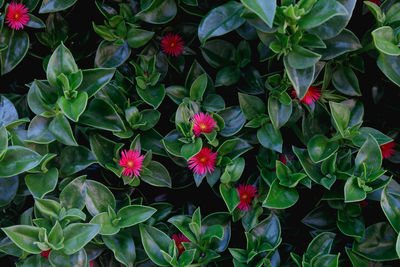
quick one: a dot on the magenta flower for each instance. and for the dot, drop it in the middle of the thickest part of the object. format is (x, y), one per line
(312, 95)
(203, 162)
(132, 162)
(203, 123)
(246, 195)
(387, 150)
(17, 16)
(179, 238)
(172, 44)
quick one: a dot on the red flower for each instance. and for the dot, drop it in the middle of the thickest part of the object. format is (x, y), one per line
(203, 123)
(132, 162)
(282, 159)
(45, 253)
(203, 161)
(172, 44)
(246, 194)
(17, 16)
(387, 150)
(377, 2)
(179, 238)
(91, 264)
(312, 95)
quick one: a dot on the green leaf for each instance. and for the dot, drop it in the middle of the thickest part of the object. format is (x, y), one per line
(158, 12)
(320, 148)
(95, 79)
(301, 79)
(98, 197)
(341, 116)
(345, 42)
(302, 58)
(106, 222)
(24, 236)
(38, 131)
(369, 156)
(35, 22)
(159, 175)
(154, 241)
(49, 6)
(191, 149)
(3, 141)
(61, 129)
(308, 165)
(268, 232)
(153, 95)
(345, 81)
(278, 112)
(182, 223)
(228, 76)
(366, 131)
(320, 245)
(59, 259)
(48, 208)
(252, 106)
(280, 197)
(17, 160)
(134, 214)
(172, 144)
(110, 55)
(122, 246)
(75, 159)
(398, 245)
(390, 203)
(41, 184)
(213, 231)
(234, 120)
(378, 243)
(17, 46)
(221, 20)
(8, 190)
(352, 192)
(61, 62)
(105, 152)
(392, 14)
(101, 115)
(390, 66)
(286, 177)
(385, 41)
(73, 108)
(137, 37)
(73, 195)
(230, 196)
(77, 235)
(198, 88)
(265, 9)
(270, 138)
(321, 12)
(218, 53)
(8, 113)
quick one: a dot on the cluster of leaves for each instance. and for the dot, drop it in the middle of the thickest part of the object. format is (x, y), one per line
(252, 66)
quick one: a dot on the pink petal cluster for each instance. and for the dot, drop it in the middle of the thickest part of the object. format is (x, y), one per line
(203, 123)
(17, 16)
(172, 44)
(387, 150)
(179, 238)
(246, 195)
(203, 162)
(132, 162)
(312, 95)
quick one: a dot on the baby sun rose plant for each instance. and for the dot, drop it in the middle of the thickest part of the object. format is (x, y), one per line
(199, 133)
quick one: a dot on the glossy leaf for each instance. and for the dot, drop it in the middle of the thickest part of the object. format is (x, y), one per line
(279, 113)
(17, 46)
(77, 235)
(340, 116)
(301, 79)
(134, 214)
(61, 62)
(24, 236)
(73, 108)
(61, 130)
(270, 138)
(220, 20)
(230, 196)
(122, 246)
(390, 203)
(17, 160)
(321, 12)
(159, 175)
(158, 12)
(152, 95)
(264, 9)
(98, 197)
(49, 6)
(390, 66)
(110, 55)
(280, 197)
(154, 241)
(320, 148)
(384, 41)
(75, 159)
(345, 81)
(252, 106)
(8, 189)
(41, 184)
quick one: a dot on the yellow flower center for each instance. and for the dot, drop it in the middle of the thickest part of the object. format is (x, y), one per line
(203, 126)
(16, 16)
(172, 44)
(245, 196)
(180, 246)
(203, 159)
(130, 164)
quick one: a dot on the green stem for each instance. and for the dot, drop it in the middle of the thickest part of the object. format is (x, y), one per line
(364, 49)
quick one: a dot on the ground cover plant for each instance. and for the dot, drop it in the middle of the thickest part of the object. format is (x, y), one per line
(199, 133)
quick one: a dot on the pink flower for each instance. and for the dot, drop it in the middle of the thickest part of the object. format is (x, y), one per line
(203, 123)
(282, 159)
(91, 264)
(179, 238)
(172, 44)
(387, 150)
(132, 162)
(377, 2)
(246, 195)
(17, 16)
(312, 95)
(203, 161)
(45, 253)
